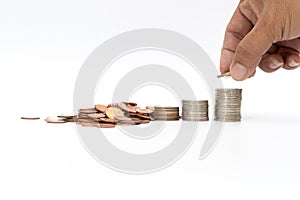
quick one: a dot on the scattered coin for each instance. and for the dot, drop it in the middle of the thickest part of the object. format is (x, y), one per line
(67, 116)
(108, 120)
(143, 111)
(130, 103)
(101, 107)
(112, 112)
(31, 118)
(96, 115)
(88, 110)
(55, 120)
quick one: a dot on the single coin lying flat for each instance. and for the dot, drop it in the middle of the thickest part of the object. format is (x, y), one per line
(31, 118)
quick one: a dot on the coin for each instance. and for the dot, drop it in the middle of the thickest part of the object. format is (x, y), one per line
(96, 115)
(88, 110)
(31, 118)
(107, 125)
(90, 124)
(130, 103)
(143, 111)
(100, 107)
(224, 75)
(67, 116)
(108, 120)
(143, 116)
(84, 120)
(55, 120)
(112, 112)
(126, 107)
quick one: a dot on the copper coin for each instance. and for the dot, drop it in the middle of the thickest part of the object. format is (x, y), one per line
(31, 118)
(84, 120)
(126, 108)
(90, 124)
(145, 121)
(83, 115)
(130, 103)
(123, 118)
(101, 107)
(143, 116)
(87, 110)
(143, 111)
(108, 120)
(107, 125)
(70, 119)
(96, 115)
(66, 116)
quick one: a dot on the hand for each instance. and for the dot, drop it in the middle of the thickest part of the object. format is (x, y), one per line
(264, 33)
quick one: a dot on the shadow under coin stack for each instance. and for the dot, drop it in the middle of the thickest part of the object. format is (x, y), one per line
(228, 105)
(166, 113)
(195, 110)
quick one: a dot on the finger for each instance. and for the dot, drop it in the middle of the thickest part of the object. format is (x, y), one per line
(292, 62)
(253, 74)
(250, 51)
(271, 62)
(236, 30)
(290, 56)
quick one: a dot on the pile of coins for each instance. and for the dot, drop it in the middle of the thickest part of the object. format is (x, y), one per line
(193, 110)
(166, 113)
(228, 105)
(227, 109)
(101, 116)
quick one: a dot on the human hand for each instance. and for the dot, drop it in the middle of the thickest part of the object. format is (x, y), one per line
(264, 33)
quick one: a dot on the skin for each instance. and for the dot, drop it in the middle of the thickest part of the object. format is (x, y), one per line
(263, 33)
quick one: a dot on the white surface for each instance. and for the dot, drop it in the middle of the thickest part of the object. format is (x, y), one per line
(44, 43)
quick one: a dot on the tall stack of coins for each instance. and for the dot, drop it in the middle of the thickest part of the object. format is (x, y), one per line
(228, 105)
(166, 113)
(194, 110)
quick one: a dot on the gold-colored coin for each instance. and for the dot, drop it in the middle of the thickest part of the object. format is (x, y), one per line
(112, 112)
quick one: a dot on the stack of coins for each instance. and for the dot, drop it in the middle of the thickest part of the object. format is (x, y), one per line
(228, 105)
(195, 110)
(166, 113)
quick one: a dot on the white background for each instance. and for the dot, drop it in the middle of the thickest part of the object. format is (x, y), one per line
(42, 47)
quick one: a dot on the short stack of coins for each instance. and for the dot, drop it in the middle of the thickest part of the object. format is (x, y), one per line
(166, 113)
(228, 105)
(195, 110)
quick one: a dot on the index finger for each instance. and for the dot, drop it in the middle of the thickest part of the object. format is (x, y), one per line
(239, 26)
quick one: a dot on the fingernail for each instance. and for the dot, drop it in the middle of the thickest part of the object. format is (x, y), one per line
(293, 63)
(275, 64)
(239, 71)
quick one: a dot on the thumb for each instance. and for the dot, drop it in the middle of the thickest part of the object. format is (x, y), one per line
(250, 51)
